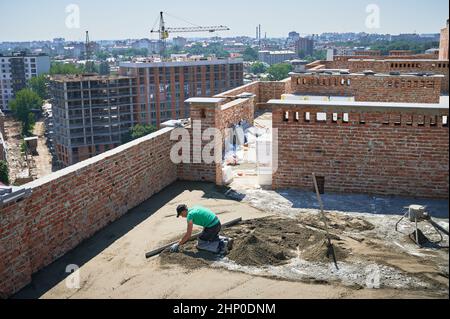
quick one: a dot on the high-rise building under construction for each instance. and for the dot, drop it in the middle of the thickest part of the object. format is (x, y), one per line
(91, 113)
(164, 86)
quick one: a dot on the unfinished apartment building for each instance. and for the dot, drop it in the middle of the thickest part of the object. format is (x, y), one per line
(90, 113)
(164, 86)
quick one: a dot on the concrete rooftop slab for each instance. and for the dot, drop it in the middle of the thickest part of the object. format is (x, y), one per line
(112, 262)
(443, 105)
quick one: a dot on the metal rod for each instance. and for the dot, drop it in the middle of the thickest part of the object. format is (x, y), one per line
(417, 232)
(319, 199)
(324, 218)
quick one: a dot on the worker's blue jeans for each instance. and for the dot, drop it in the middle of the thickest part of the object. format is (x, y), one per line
(211, 234)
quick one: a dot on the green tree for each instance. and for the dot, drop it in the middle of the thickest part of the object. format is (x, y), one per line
(216, 49)
(385, 46)
(250, 54)
(138, 131)
(39, 85)
(278, 72)
(130, 52)
(174, 50)
(22, 105)
(301, 54)
(65, 68)
(104, 68)
(90, 67)
(258, 68)
(4, 172)
(102, 55)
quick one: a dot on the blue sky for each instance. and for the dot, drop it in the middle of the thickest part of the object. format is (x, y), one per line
(23, 20)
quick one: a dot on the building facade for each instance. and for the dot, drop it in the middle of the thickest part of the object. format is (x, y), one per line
(305, 47)
(91, 114)
(16, 70)
(443, 49)
(275, 57)
(164, 86)
(180, 42)
(293, 37)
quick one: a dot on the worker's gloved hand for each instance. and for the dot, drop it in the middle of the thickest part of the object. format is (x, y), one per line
(175, 248)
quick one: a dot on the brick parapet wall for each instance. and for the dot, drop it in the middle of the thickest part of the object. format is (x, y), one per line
(198, 170)
(377, 151)
(403, 65)
(412, 89)
(220, 116)
(443, 46)
(71, 205)
(248, 88)
(263, 91)
(274, 90)
(386, 57)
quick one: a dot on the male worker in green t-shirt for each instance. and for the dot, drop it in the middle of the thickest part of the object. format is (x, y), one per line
(199, 216)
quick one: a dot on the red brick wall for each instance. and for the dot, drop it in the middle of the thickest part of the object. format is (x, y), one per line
(71, 205)
(264, 91)
(274, 90)
(220, 116)
(233, 112)
(206, 114)
(386, 57)
(248, 88)
(384, 152)
(443, 46)
(412, 89)
(385, 66)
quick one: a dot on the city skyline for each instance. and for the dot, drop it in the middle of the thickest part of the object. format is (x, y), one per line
(140, 16)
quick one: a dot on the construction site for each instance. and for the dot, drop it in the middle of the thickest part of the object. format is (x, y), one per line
(332, 184)
(30, 158)
(282, 245)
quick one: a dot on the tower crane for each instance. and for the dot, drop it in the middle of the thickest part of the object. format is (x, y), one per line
(89, 64)
(87, 47)
(164, 31)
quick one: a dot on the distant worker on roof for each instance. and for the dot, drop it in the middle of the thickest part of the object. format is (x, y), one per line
(209, 239)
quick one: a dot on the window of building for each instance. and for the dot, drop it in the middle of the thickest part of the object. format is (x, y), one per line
(307, 117)
(345, 118)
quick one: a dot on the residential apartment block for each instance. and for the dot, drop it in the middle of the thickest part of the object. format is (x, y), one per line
(305, 47)
(90, 114)
(15, 70)
(275, 57)
(164, 86)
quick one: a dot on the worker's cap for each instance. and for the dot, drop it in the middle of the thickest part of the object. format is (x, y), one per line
(180, 209)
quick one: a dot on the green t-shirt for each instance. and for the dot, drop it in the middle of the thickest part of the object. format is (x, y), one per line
(202, 216)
